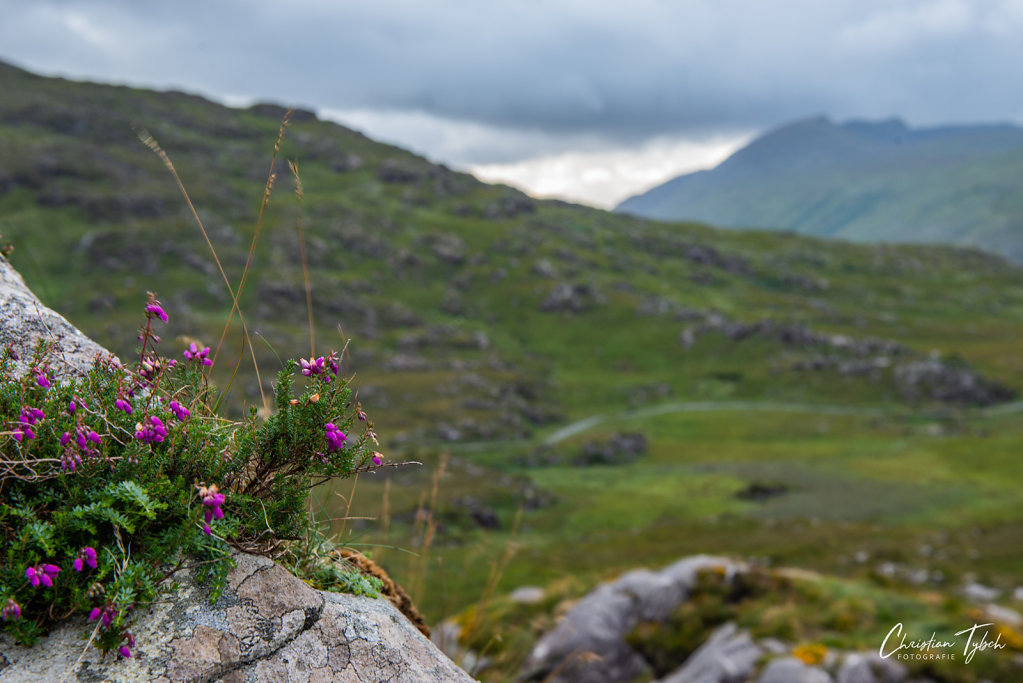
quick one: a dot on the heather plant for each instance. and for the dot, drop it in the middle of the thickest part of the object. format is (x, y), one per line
(113, 483)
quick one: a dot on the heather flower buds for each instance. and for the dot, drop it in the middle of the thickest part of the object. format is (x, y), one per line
(212, 499)
(180, 411)
(312, 366)
(86, 556)
(11, 611)
(153, 308)
(42, 574)
(129, 643)
(28, 417)
(335, 437)
(193, 353)
(151, 430)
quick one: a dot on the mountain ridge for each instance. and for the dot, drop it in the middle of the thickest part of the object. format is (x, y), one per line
(862, 181)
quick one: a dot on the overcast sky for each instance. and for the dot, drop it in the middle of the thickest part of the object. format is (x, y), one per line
(585, 99)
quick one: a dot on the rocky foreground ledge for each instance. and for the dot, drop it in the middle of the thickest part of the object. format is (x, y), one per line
(267, 625)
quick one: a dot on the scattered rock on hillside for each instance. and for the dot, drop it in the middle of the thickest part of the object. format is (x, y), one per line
(591, 643)
(938, 380)
(792, 670)
(598, 624)
(398, 172)
(570, 298)
(759, 491)
(509, 207)
(623, 447)
(730, 654)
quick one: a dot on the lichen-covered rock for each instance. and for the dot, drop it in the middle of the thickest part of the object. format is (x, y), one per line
(25, 321)
(267, 626)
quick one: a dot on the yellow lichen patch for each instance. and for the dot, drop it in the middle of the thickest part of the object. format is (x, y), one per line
(811, 654)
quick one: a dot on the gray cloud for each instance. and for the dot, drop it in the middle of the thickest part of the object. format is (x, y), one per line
(621, 72)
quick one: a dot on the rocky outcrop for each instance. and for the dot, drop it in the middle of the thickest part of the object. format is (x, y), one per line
(591, 644)
(25, 321)
(267, 625)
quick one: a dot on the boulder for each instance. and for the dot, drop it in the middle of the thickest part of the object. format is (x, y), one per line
(25, 321)
(728, 656)
(792, 670)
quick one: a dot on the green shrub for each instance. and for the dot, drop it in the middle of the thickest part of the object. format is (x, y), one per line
(112, 483)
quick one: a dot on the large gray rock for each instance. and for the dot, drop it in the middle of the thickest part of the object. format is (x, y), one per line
(728, 656)
(792, 670)
(589, 643)
(24, 321)
(870, 668)
(267, 625)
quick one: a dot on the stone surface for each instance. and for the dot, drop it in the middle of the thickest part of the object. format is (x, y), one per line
(728, 656)
(25, 321)
(870, 668)
(267, 626)
(589, 643)
(792, 670)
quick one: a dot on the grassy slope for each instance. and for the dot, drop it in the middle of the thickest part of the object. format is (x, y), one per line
(415, 261)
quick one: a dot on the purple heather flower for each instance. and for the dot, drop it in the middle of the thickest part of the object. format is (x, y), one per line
(212, 499)
(377, 458)
(94, 614)
(312, 366)
(30, 416)
(42, 381)
(129, 643)
(180, 411)
(194, 353)
(150, 430)
(23, 433)
(11, 611)
(122, 405)
(71, 407)
(335, 437)
(86, 556)
(42, 573)
(359, 412)
(155, 309)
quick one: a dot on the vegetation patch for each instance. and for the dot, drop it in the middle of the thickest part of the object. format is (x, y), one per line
(112, 483)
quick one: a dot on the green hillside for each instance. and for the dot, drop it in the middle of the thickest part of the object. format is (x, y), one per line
(866, 182)
(791, 393)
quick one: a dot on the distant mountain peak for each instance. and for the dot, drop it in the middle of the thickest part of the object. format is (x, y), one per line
(862, 180)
